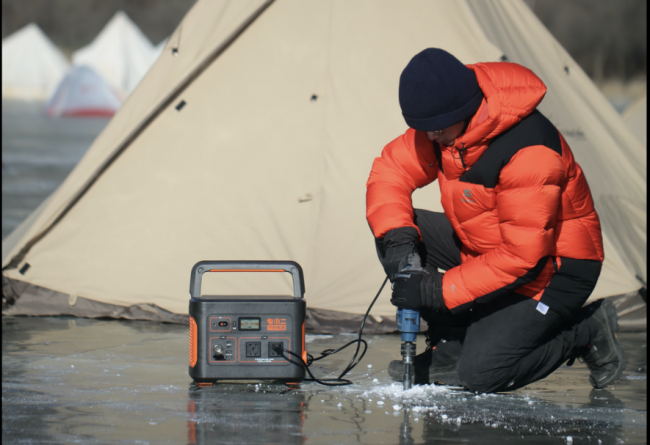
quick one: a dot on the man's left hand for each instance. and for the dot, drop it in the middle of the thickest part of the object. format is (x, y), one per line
(417, 289)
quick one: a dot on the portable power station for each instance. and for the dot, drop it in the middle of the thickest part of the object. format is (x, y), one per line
(242, 337)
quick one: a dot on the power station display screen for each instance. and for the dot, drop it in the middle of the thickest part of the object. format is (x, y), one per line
(249, 324)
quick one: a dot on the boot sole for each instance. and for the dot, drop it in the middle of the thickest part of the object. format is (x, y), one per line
(612, 323)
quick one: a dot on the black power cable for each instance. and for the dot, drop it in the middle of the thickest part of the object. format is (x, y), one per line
(340, 381)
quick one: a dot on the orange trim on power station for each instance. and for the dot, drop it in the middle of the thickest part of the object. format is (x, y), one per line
(304, 351)
(193, 347)
(246, 270)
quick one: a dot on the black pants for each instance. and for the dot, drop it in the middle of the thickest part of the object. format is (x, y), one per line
(508, 343)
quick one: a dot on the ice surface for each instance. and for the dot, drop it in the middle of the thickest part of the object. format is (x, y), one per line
(130, 382)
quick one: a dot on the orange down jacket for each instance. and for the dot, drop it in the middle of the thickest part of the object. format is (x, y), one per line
(510, 187)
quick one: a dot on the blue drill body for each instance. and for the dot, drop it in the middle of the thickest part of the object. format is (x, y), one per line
(408, 323)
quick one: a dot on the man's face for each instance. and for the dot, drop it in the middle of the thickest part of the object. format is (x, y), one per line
(447, 136)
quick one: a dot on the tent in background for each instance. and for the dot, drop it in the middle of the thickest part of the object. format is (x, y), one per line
(636, 119)
(120, 53)
(32, 66)
(253, 137)
(83, 93)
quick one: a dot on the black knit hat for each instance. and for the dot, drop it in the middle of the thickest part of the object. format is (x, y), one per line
(436, 91)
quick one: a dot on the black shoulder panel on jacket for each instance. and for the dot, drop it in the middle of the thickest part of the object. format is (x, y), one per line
(436, 150)
(534, 129)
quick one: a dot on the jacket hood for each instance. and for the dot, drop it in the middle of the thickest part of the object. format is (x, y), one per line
(511, 93)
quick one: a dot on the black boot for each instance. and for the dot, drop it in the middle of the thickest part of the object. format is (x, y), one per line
(604, 356)
(437, 364)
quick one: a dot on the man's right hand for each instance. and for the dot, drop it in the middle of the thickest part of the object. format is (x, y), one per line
(417, 289)
(398, 244)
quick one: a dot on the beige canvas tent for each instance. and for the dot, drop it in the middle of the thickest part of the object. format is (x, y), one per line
(636, 119)
(252, 137)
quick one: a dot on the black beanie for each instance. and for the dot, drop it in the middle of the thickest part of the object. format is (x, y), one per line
(436, 91)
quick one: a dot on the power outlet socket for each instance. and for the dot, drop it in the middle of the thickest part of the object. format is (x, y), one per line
(253, 349)
(273, 349)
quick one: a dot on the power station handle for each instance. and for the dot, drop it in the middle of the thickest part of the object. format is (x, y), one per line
(247, 266)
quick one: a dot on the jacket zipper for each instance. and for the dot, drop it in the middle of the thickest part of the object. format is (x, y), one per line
(460, 153)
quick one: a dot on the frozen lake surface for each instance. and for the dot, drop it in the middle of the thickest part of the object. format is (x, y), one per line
(38, 152)
(68, 380)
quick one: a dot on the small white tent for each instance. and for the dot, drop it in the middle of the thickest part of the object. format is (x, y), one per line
(253, 137)
(120, 53)
(32, 66)
(636, 119)
(83, 93)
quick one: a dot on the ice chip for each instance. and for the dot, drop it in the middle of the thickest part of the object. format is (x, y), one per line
(397, 407)
(369, 366)
(569, 439)
(375, 380)
(444, 417)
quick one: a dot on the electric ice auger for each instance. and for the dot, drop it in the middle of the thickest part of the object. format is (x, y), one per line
(408, 323)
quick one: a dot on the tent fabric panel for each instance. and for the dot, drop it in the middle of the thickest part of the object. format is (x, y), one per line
(29, 299)
(632, 310)
(25, 299)
(10, 242)
(636, 119)
(212, 22)
(200, 175)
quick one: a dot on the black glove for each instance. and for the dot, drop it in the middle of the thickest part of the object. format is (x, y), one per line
(419, 289)
(395, 249)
